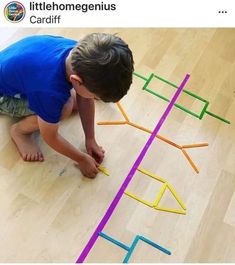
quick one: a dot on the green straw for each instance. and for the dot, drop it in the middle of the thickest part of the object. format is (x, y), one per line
(204, 110)
(185, 91)
(176, 105)
(158, 95)
(147, 82)
(217, 117)
(166, 81)
(140, 76)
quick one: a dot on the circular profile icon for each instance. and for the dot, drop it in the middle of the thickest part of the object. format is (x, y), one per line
(14, 12)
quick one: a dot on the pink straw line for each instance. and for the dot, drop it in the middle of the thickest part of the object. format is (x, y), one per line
(130, 175)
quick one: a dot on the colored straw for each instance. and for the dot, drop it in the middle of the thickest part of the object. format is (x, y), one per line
(169, 210)
(140, 76)
(151, 175)
(160, 194)
(194, 145)
(149, 131)
(199, 116)
(130, 175)
(133, 196)
(111, 123)
(128, 255)
(168, 141)
(122, 111)
(103, 170)
(217, 117)
(114, 241)
(190, 161)
(176, 196)
(146, 240)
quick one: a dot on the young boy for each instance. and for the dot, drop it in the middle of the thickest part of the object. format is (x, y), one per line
(44, 78)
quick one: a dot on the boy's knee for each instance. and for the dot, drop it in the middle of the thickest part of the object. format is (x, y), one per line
(67, 109)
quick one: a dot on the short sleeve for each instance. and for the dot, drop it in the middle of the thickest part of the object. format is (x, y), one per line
(47, 105)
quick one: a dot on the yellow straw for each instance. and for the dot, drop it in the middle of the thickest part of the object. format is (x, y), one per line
(103, 170)
(160, 194)
(170, 210)
(138, 198)
(176, 196)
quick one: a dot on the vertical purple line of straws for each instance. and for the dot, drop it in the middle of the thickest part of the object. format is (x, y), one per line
(127, 180)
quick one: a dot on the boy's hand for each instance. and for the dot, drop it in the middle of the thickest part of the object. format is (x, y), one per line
(94, 150)
(88, 166)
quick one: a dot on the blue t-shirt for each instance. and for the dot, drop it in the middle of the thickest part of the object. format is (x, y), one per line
(34, 68)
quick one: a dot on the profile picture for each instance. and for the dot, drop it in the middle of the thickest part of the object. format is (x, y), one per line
(14, 11)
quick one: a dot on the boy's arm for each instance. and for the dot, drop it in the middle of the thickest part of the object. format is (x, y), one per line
(49, 132)
(86, 108)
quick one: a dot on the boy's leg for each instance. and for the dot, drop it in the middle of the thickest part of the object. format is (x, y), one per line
(70, 106)
(21, 133)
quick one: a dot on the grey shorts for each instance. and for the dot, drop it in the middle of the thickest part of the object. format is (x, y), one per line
(14, 107)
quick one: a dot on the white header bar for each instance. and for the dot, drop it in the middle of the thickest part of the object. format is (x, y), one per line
(120, 13)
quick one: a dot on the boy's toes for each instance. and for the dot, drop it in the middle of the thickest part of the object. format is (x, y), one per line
(24, 156)
(29, 157)
(32, 157)
(40, 157)
(36, 157)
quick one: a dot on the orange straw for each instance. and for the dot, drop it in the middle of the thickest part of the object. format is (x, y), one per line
(158, 136)
(194, 145)
(122, 111)
(139, 127)
(190, 160)
(168, 141)
(111, 123)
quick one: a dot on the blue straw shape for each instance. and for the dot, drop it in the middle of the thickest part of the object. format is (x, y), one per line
(128, 255)
(114, 241)
(146, 240)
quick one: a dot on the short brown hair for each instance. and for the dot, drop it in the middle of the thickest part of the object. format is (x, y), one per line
(105, 64)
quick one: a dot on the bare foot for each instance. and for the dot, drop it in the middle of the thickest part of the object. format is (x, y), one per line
(26, 145)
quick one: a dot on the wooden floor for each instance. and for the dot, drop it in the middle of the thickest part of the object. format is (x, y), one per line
(48, 211)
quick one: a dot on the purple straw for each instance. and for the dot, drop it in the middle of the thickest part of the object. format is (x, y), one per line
(128, 178)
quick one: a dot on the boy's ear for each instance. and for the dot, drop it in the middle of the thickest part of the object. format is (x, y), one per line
(76, 78)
